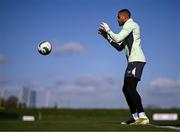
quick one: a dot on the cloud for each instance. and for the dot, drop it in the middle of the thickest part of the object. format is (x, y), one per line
(3, 59)
(69, 49)
(89, 79)
(92, 91)
(86, 82)
(87, 91)
(161, 92)
(165, 83)
(29, 84)
(60, 82)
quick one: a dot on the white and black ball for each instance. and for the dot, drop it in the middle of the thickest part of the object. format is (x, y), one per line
(44, 48)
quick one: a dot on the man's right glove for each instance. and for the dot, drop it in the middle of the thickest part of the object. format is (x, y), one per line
(104, 26)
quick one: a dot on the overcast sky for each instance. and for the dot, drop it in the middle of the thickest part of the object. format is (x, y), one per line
(83, 70)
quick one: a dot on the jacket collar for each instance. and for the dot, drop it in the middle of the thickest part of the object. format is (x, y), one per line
(129, 20)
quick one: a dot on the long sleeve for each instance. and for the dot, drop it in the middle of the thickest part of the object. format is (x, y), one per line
(117, 46)
(126, 30)
(129, 39)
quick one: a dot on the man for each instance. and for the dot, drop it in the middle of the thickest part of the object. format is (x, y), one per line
(129, 39)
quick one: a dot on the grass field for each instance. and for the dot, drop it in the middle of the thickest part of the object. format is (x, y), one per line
(78, 120)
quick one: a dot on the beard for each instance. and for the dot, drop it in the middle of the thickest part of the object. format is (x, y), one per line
(121, 23)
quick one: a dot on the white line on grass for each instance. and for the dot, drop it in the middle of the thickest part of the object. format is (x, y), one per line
(170, 127)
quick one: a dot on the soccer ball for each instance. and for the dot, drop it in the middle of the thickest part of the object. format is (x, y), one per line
(44, 48)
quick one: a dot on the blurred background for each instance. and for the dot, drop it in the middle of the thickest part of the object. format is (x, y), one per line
(83, 70)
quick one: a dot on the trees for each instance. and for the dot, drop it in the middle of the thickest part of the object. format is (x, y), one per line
(2, 103)
(12, 102)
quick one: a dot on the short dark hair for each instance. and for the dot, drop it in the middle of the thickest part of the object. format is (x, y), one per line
(125, 11)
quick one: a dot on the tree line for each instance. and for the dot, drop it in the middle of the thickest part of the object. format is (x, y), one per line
(11, 103)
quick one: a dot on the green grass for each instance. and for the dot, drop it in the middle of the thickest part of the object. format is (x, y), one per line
(79, 120)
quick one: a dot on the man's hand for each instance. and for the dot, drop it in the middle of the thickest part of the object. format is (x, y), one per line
(104, 26)
(102, 32)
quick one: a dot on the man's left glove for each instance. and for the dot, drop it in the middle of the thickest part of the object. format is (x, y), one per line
(104, 26)
(103, 33)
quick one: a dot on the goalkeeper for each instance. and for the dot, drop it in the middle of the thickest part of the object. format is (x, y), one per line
(129, 39)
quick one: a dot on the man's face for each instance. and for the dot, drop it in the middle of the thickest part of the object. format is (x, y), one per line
(121, 19)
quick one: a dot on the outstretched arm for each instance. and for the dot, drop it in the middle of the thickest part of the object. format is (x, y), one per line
(126, 30)
(117, 46)
(121, 35)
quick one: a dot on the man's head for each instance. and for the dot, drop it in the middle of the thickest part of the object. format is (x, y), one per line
(123, 16)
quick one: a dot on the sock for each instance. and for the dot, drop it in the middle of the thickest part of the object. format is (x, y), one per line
(142, 115)
(135, 116)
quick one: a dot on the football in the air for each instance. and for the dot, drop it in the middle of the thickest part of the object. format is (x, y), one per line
(44, 48)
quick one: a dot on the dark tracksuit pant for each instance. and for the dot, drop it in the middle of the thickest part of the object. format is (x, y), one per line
(132, 77)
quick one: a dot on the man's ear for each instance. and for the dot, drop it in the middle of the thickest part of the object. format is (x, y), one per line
(125, 17)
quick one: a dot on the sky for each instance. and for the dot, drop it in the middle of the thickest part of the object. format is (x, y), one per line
(83, 70)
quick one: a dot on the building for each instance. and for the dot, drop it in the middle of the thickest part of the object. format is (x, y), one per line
(28, 97)
(32, 99)
(25, 96)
